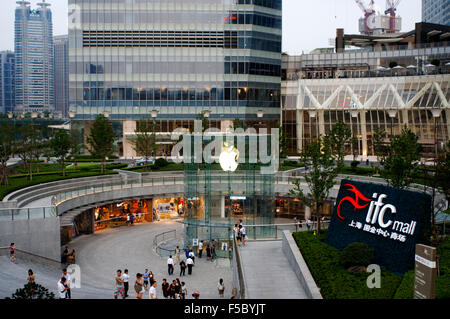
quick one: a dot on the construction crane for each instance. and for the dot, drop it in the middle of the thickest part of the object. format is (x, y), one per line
(391, 8)
(368, 12)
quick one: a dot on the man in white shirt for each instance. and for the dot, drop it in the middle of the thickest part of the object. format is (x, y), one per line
(200, 249)
(170, 264)
(62, 289)
(152, 291)
(189, 263)
(126, 278)
(66, 275)
(192, 256)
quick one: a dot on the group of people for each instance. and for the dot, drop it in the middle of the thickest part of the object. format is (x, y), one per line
(240, 233)
(64, 291)
(68, 258)
(146, 282)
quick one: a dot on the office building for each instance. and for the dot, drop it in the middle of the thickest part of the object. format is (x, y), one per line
(6, 81)
(34, 58)
(436, 11)
(61, 78)
(174, 59)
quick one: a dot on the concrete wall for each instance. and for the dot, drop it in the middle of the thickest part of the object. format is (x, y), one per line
(37, 236)
(298, 264)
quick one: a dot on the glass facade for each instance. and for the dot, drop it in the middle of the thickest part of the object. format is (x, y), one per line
(436, 11)
(34, 58)
(129, 57)
(7, 100)
(61, 67)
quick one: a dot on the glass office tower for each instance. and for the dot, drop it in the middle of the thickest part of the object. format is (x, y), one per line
(61, 67)
(34, 58)
(7, 100)
(179, 58)
(436, 11)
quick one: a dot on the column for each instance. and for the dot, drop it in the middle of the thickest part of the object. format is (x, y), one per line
(447, 116)
(129, 127)
(321, 120)
(299, 118)
(307, 212)
(222, 206)
(365, 151)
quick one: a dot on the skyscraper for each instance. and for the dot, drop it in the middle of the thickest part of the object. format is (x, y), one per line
(436, 11)
(34, 58)
(6, 81)
(176, 58)
(61, 67)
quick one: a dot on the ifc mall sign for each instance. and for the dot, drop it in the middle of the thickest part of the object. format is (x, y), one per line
(389, 220)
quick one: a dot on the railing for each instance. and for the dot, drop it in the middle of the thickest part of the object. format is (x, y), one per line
(275, 231)
(27, 213)
(238, 273)
(23, 254)
(162, 238)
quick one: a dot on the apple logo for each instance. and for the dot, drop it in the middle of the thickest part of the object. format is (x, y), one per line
(228, 158)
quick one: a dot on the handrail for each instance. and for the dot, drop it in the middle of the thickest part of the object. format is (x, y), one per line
(31, 254)
(238, 270)
(27, 213)
(156, 242)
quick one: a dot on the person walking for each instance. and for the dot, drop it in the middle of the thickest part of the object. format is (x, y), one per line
(151, 278)
(31, 278)
(242, 234)
(189, 263)
(178, 288)
(119, 285)
(177, 254)
(184, 290)
(308, 224)
(182, 268)
(62, 288)
(152, 292)
(196, 295)
(139, 286)
(170, 265)
(192, 256)
(12, 252)
(66, 275)
(64, 256)
(187, 251)
(165, 288)
(200, 249)
(213, 251)
(221, 288)
(208, 252)
(172, 290)
(145, 278)
(126, 279)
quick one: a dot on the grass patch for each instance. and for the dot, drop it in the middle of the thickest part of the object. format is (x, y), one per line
(334, 280)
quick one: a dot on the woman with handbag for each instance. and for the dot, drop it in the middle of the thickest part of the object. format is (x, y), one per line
(139, 286)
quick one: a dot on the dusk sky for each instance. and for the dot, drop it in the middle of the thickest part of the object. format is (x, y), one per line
(307, 24)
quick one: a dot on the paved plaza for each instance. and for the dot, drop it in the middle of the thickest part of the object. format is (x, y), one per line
(99, 256)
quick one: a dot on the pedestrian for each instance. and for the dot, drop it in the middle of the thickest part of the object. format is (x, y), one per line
(165, 288)
(196, 295)
(12, 252)
(238, 234)
(184, 291)
(177, 254)
(172, 290)
(64, 256)
(31, 278)
(221, 288)
(119, 285)
(170, 265)
(71, 257)
(151, 278)
(187, 251)
(182, 268)
(208, 252)
(308, 224)
(242, 234)
(62, 288)
(200, 249)
(145, 277)
(192, 256)
(139, 286)
(128, 220)
(131, 218)
(178, 288)
(126, 279)
(189, 263)
(67, 276)
(152, 291)
(213, 251)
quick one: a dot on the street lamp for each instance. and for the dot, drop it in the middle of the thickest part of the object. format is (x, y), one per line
(260, 113)
(436, 113)
(206, 113)
(106, 114)
(154, 113)
(72, 114)
(392, 115)
(10, 115)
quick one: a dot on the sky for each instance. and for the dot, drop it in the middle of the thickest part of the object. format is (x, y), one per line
(307, 24)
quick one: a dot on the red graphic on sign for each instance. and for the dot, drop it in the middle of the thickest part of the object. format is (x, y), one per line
(354, 202)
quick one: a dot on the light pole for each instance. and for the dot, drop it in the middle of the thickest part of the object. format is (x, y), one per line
(392, 115)
(436, 114)
(313, 114)
(355, 150)
(154, 115)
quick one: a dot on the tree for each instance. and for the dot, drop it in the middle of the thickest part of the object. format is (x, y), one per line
(283, 142)
(443, 174)
(26, 146)
(101, 139)
(319, 176)
(338, 138)
(393, 64)
(7, 139)
(33, 291)
(145, 142)
(61, 146)
(401, 163)
(204, 119)
(379, 146)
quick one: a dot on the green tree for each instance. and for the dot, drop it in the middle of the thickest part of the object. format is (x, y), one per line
(145, 142)
(379, 146)
(7, 139)
(338, 138)
(101, 139)
(401, 163)
(283, 136)
(393, 64)
(33, 291)
(26, 146)
(61, 146)
(320, 174)
(443, 173)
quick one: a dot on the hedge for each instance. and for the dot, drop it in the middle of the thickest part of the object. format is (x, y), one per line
(335, 281)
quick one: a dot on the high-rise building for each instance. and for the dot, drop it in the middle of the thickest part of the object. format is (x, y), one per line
(6, 81)
(436, 11)
(61, 78)
(34, 58)
(176, 58)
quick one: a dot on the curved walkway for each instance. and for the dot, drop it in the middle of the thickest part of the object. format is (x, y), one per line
(101, 254)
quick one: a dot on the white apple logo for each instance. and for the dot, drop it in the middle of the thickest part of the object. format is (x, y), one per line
(228, 158)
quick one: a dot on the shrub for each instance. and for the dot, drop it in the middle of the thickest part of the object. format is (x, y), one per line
(33, 291)
(355, 164)
(161, 162)
(356, 254)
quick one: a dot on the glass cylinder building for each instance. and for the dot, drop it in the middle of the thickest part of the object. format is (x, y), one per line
(176, 58)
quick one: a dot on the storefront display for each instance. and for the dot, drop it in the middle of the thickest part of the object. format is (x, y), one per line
(166, 208)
